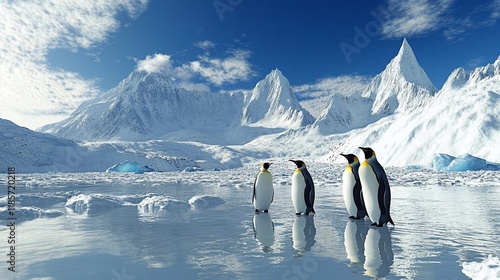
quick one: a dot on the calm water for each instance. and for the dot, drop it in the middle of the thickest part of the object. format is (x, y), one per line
(441, 221)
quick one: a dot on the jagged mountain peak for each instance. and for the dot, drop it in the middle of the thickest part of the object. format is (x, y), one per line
(406, 66)
(402, 86)
(272, 104)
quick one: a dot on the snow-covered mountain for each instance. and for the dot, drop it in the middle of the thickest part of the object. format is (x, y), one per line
(400, 115)
(401, 87)
(271, 104)
(147, 106)
(462, 118)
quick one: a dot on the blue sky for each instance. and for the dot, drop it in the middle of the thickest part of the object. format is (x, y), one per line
(77, 50)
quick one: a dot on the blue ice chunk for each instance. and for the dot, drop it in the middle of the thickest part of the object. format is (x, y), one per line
(442, 161)
(129, 166)
(467, 162)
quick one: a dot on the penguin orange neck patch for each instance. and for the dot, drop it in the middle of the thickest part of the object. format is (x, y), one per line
(365, 163)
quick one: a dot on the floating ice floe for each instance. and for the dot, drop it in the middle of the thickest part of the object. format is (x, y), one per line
(92, 204)
(488, 269)
(205, 201)
(192, 169)
(28, 213)
(160, 203)
(467, 162)
(129, 166)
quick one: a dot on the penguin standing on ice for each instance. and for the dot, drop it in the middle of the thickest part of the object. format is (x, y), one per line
(376, 191)
(351, 188)
(302, 189)
(263, 191)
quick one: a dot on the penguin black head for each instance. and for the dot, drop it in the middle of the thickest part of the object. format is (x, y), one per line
(299, 163)
(350, 158)
(266, 165)
(368, 152)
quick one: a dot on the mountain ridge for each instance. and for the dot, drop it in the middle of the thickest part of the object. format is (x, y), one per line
(400, 114)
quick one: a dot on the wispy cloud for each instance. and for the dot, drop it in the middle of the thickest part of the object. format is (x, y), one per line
(405, 18)
(415, 17)
(344, 85)
(205, 45)
(32, 93)
(220, 71)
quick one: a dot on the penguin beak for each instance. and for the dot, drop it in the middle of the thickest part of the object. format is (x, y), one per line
(294, 161)
(344, 155)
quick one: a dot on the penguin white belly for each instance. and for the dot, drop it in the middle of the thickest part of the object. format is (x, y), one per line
(298, 188)
(348, 182)
(370, 186)
(263, 191)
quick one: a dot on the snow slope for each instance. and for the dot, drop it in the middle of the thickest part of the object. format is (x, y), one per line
(30, 152)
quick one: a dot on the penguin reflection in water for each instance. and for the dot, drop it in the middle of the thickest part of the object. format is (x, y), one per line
(263, 191)
(351, 188)
(302, 189)
(376, 191)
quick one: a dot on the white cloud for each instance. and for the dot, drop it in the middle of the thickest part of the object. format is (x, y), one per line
(227, 70)
(32, 93)
(415, 17)
(405, 18)
(216, 71)
(156, 63)
(205, 45)
(344, 85)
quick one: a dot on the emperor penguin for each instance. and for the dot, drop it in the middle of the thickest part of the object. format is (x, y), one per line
(351, 188)
(376, 190)
(263, 191)
(302, 189)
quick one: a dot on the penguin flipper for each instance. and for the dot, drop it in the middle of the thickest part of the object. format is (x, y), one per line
(309, 193)
(254, 183)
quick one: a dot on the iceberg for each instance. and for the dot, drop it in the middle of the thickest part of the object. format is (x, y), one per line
(467, 162)
(442, 161)
(129, 166)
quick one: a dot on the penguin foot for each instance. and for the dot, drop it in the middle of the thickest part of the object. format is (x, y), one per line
(256, 210)
(352, 217)
(380, 225)
(374, 224)
(297, 214)
(265, 211)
